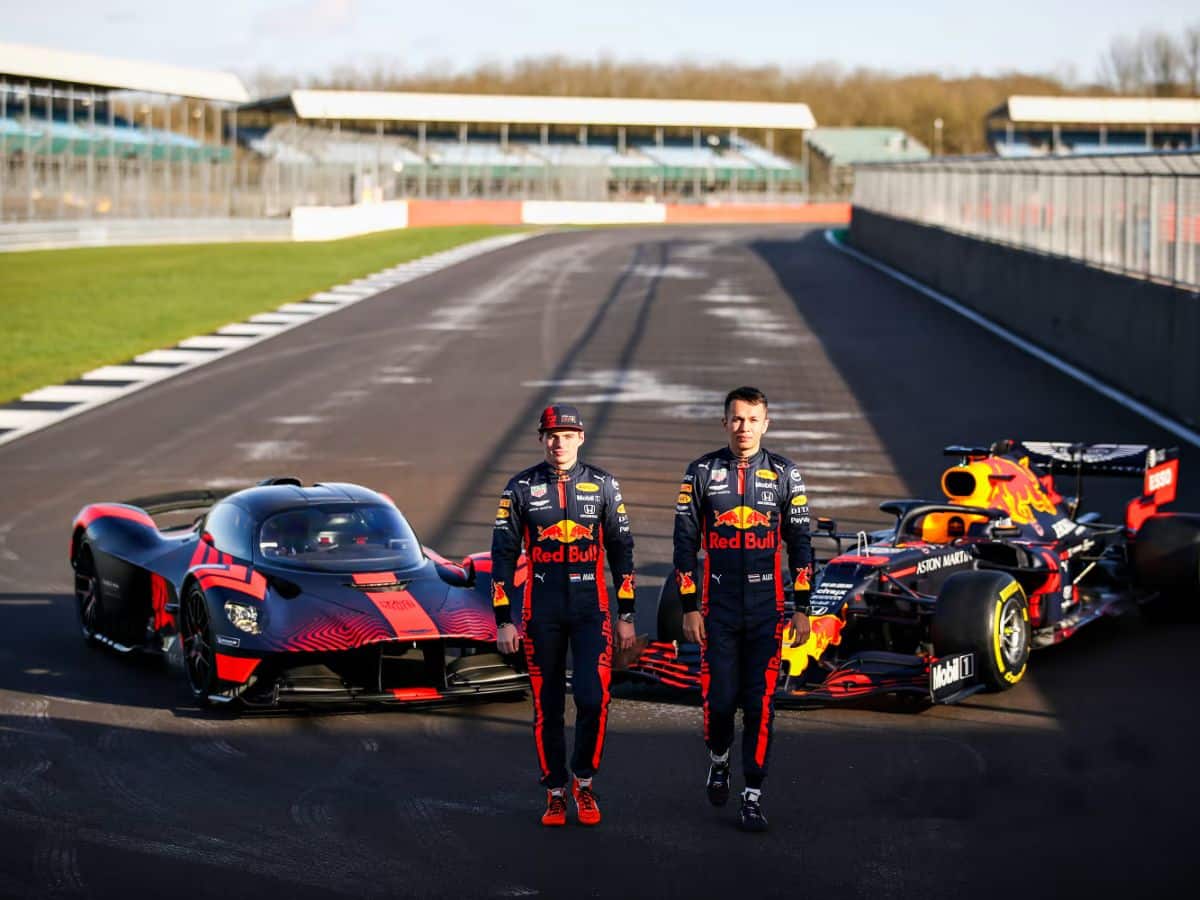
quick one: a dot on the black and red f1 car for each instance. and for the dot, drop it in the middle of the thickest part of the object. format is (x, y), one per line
(951, 599)
(283, 593)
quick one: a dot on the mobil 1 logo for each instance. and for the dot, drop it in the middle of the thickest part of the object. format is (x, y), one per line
(950, 675)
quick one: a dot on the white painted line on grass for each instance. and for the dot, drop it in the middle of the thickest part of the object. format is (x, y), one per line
(1178, 429)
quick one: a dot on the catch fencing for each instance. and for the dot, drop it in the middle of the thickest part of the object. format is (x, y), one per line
(1137, 214)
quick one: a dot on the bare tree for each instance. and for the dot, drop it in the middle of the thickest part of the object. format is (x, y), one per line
(1190, 45)
(1121, 66)
(1162, 61)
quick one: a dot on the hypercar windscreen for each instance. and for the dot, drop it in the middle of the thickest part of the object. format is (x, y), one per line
(337, 537)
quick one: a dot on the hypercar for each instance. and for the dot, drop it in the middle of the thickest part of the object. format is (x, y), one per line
(951, 597)
(282, 593)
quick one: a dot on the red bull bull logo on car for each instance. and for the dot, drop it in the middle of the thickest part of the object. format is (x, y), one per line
(998, 483)
(826, 632)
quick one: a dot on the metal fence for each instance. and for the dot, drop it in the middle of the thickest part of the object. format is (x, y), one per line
(1137, 214)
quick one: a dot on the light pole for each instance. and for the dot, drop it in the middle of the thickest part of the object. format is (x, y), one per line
(937, 136)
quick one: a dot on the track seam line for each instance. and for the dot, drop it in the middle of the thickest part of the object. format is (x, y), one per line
(1107, 390)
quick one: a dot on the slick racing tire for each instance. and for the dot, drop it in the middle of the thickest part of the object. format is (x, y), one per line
(199, 646)
(1166, 554)
(987, 614)
(670, 612)
(88, 601)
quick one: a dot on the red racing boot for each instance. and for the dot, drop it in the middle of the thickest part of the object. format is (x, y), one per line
(555, 815)
(585, 802)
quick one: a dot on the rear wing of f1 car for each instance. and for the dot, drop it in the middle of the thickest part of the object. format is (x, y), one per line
(1158, 467)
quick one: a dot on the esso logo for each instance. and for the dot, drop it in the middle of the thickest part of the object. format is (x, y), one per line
(1160, 479)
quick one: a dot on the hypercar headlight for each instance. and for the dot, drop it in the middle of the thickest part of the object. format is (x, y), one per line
(242, 617)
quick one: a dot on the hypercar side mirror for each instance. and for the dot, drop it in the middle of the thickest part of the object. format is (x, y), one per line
(824, 524)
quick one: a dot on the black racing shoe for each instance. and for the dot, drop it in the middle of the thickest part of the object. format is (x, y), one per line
(752, 818)
(718, 783)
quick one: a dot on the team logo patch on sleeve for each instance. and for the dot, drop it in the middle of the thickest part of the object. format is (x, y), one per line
(799, 500)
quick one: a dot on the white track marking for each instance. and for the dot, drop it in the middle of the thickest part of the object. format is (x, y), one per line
(278, 318)
(70, 393)
(173, 356)
(252, 330)
(16, 423)
(331, 297)
(129, 373)
(26, 418)
(215, 342)
(313, 309)
(1117, 396)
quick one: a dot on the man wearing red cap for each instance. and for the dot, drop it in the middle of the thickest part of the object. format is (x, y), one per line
(567, 515)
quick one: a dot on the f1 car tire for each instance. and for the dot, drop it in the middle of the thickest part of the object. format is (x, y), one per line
(987, 614)
(88, 601)
(1166, 553)
(670, 612)
(199, 646)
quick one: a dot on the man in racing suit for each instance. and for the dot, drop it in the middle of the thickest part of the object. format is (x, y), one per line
(741, 504)
(568, 516)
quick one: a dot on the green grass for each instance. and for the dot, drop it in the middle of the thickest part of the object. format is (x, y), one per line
(65, 312)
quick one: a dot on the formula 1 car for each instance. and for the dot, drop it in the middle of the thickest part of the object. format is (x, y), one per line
(281, 593)
(952, 597)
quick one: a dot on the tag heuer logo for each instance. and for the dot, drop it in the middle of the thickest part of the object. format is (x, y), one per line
(537, 490)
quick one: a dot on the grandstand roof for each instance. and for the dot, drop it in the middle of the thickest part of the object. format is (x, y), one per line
(847, 146)
(106, 73)
(517, 110)
(1100, 110)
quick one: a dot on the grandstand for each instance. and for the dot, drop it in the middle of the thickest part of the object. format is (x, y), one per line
(392, 145)
(834, 152)
(84, 136)
(1058, 126)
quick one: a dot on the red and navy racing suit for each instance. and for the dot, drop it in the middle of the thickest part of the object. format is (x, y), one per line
(741, 513)
(567, 522)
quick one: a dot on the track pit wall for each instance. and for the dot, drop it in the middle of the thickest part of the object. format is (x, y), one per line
(1139, 336)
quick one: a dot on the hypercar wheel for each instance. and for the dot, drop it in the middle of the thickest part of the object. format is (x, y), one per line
(985, 613)
(199, 648)
(88, 602)
(1166, 554)
(670, 612)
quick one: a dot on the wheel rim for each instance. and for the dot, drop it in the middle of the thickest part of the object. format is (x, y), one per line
(197, 652)
(87, 594)
(1012, 635)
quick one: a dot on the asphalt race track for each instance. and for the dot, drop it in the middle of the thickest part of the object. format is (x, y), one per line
(113, 784)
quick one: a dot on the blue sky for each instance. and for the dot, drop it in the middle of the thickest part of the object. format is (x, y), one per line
(313, 36)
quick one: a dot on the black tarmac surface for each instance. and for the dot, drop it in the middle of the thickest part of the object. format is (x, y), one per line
(113, 784)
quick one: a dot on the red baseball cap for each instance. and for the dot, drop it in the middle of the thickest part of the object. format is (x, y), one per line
(555, 418)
